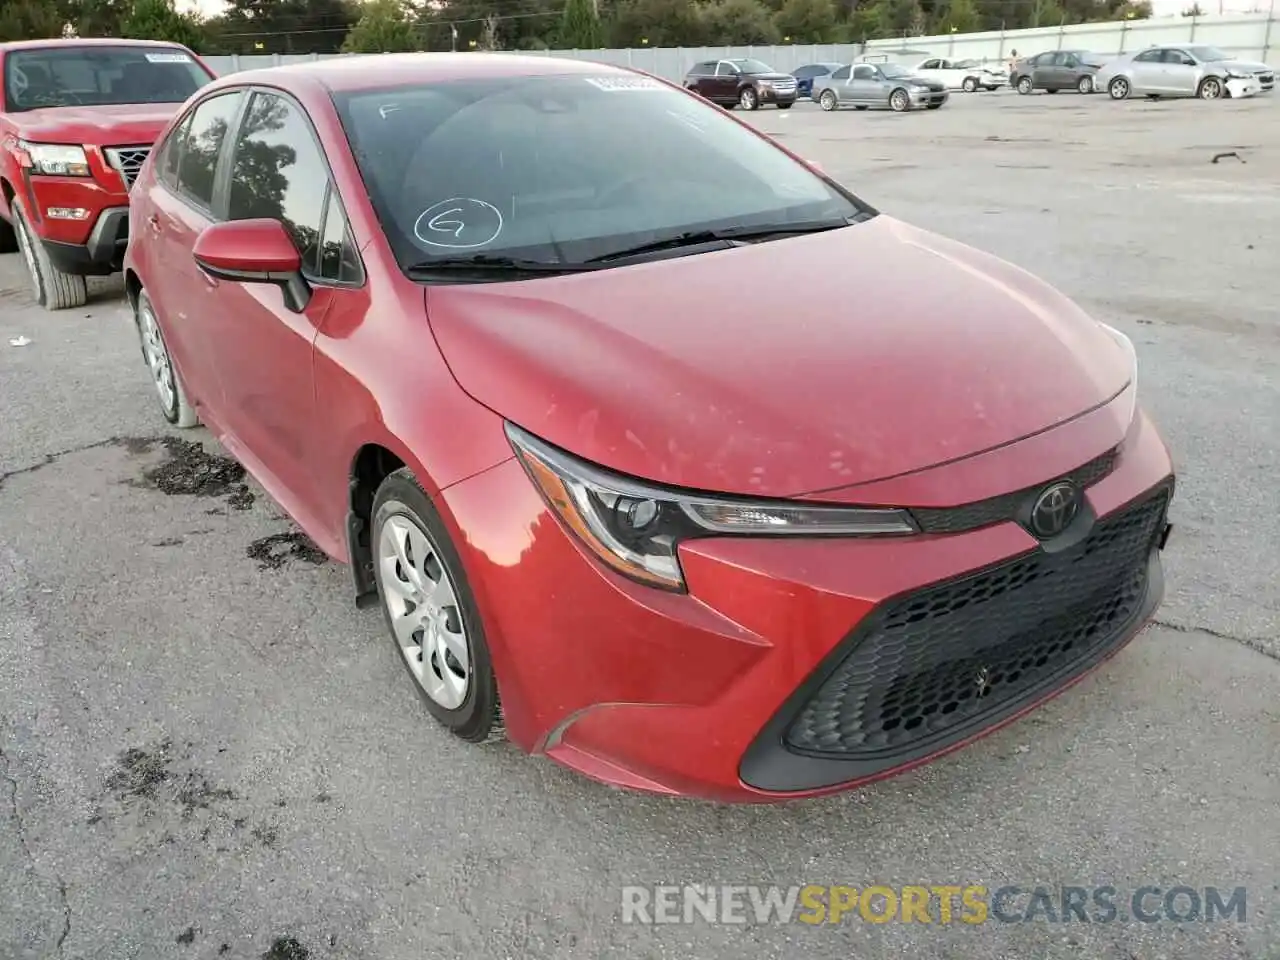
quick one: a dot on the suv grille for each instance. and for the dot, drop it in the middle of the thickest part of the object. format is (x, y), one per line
(128, 161)
(933, 663)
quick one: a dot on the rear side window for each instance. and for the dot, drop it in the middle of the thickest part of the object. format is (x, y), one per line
(202, 145)
(843, 74)
(278, 173)
(171, 152)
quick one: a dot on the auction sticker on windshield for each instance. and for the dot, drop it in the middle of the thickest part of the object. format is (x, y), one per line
(167, 58)
(613, 84)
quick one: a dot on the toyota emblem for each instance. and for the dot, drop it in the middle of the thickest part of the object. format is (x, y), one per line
(1054, 510)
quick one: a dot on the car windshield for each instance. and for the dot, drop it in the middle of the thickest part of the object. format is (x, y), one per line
(893, 71)
(752, 66)
(1209, 54)
(65, 76)
(567, 168)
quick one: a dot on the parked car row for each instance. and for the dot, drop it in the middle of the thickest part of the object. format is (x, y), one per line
(1173, 70)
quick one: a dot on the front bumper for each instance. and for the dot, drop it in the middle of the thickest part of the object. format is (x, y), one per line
(771, 95)
(1240, 87)
(727, 692)
(90, 245)
(926, 98)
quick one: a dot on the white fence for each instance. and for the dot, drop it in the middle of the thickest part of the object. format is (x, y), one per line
(1247, 36)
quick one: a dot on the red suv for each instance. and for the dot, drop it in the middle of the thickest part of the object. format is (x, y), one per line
(77, 120)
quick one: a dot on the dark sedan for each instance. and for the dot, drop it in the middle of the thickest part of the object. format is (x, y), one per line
(809, 72)
(1056, 70)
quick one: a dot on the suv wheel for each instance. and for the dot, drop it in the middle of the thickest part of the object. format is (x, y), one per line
(53, 289)
(8, 237)
(748, 99)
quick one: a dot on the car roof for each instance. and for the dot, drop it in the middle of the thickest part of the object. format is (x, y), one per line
(79, 42)
(382, 70)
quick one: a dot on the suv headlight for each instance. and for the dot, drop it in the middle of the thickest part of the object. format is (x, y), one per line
(636, 528)
(56, 159)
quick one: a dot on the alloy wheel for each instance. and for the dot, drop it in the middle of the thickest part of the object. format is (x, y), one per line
(156, 354)
(747, 98)
(423, 605)
(1211, 89)
(828, 100)
(1085, 85)
(1024, 85)
(899, 101)
(1119, 88)
(29, 257)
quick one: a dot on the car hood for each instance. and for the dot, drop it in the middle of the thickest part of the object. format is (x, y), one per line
(1252, 66)
(133, 123)
(782, 368)
(771, 76)
(926, 83)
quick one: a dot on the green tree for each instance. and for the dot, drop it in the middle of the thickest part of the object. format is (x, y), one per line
(807, 21)
(96, 18)
(160, 20)
(385, 26)
(657, 23)
(580, 27)
(30, 20)
(896, 18)
(959, 16)
(740, 22)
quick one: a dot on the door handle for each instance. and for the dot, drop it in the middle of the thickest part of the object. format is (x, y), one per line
(154, 222)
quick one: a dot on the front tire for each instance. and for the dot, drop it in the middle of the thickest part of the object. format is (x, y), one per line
(431, 612)
(899, 101)
(970, 85)
(828, 100)
(174, 405)
(53, 289)
(748, 100)
(1084, 85)
(1211, 88)
(1119, 89)
(1024, 85)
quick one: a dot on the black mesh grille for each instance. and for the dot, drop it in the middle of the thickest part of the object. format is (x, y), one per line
(1003, 508)
(940, 659)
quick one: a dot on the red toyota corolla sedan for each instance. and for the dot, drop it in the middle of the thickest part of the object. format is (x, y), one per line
(652, 442)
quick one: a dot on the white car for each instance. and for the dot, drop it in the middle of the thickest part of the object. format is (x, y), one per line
(1184, 70)
(967, 75)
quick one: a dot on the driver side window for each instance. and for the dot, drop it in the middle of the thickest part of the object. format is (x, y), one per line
(726, 70)
(841, 74)
(864, 73)
(1178, 57)
(1148, 56)
(931, 65)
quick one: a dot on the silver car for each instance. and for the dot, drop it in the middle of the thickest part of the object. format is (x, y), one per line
(1182, 70)
(878, 86)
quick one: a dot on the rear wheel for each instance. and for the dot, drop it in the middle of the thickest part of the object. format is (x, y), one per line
(748, 100)
(1024, 85)
(1119, 89)
(970, 84)
(53, 289)
(175, 406)
(1210, 89)
(431, 611)
(829, 101)
(899, 101)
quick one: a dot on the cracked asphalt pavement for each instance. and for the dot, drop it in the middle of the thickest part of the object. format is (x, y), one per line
(207, 752)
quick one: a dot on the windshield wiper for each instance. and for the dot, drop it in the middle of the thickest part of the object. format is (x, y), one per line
(485, 263)
(728, 235)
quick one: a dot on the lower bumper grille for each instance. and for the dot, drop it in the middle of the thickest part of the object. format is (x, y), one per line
(931, 666)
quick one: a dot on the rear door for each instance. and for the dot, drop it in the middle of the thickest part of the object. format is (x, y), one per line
(182, 204)
(1148, 70)
(263, 351)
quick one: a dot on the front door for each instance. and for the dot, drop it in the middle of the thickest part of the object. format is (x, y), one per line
(261, 348)
(1181, 72)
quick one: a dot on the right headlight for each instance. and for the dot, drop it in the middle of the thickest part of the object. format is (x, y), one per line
(56, 159)
(1127, 345)
(636, 528)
